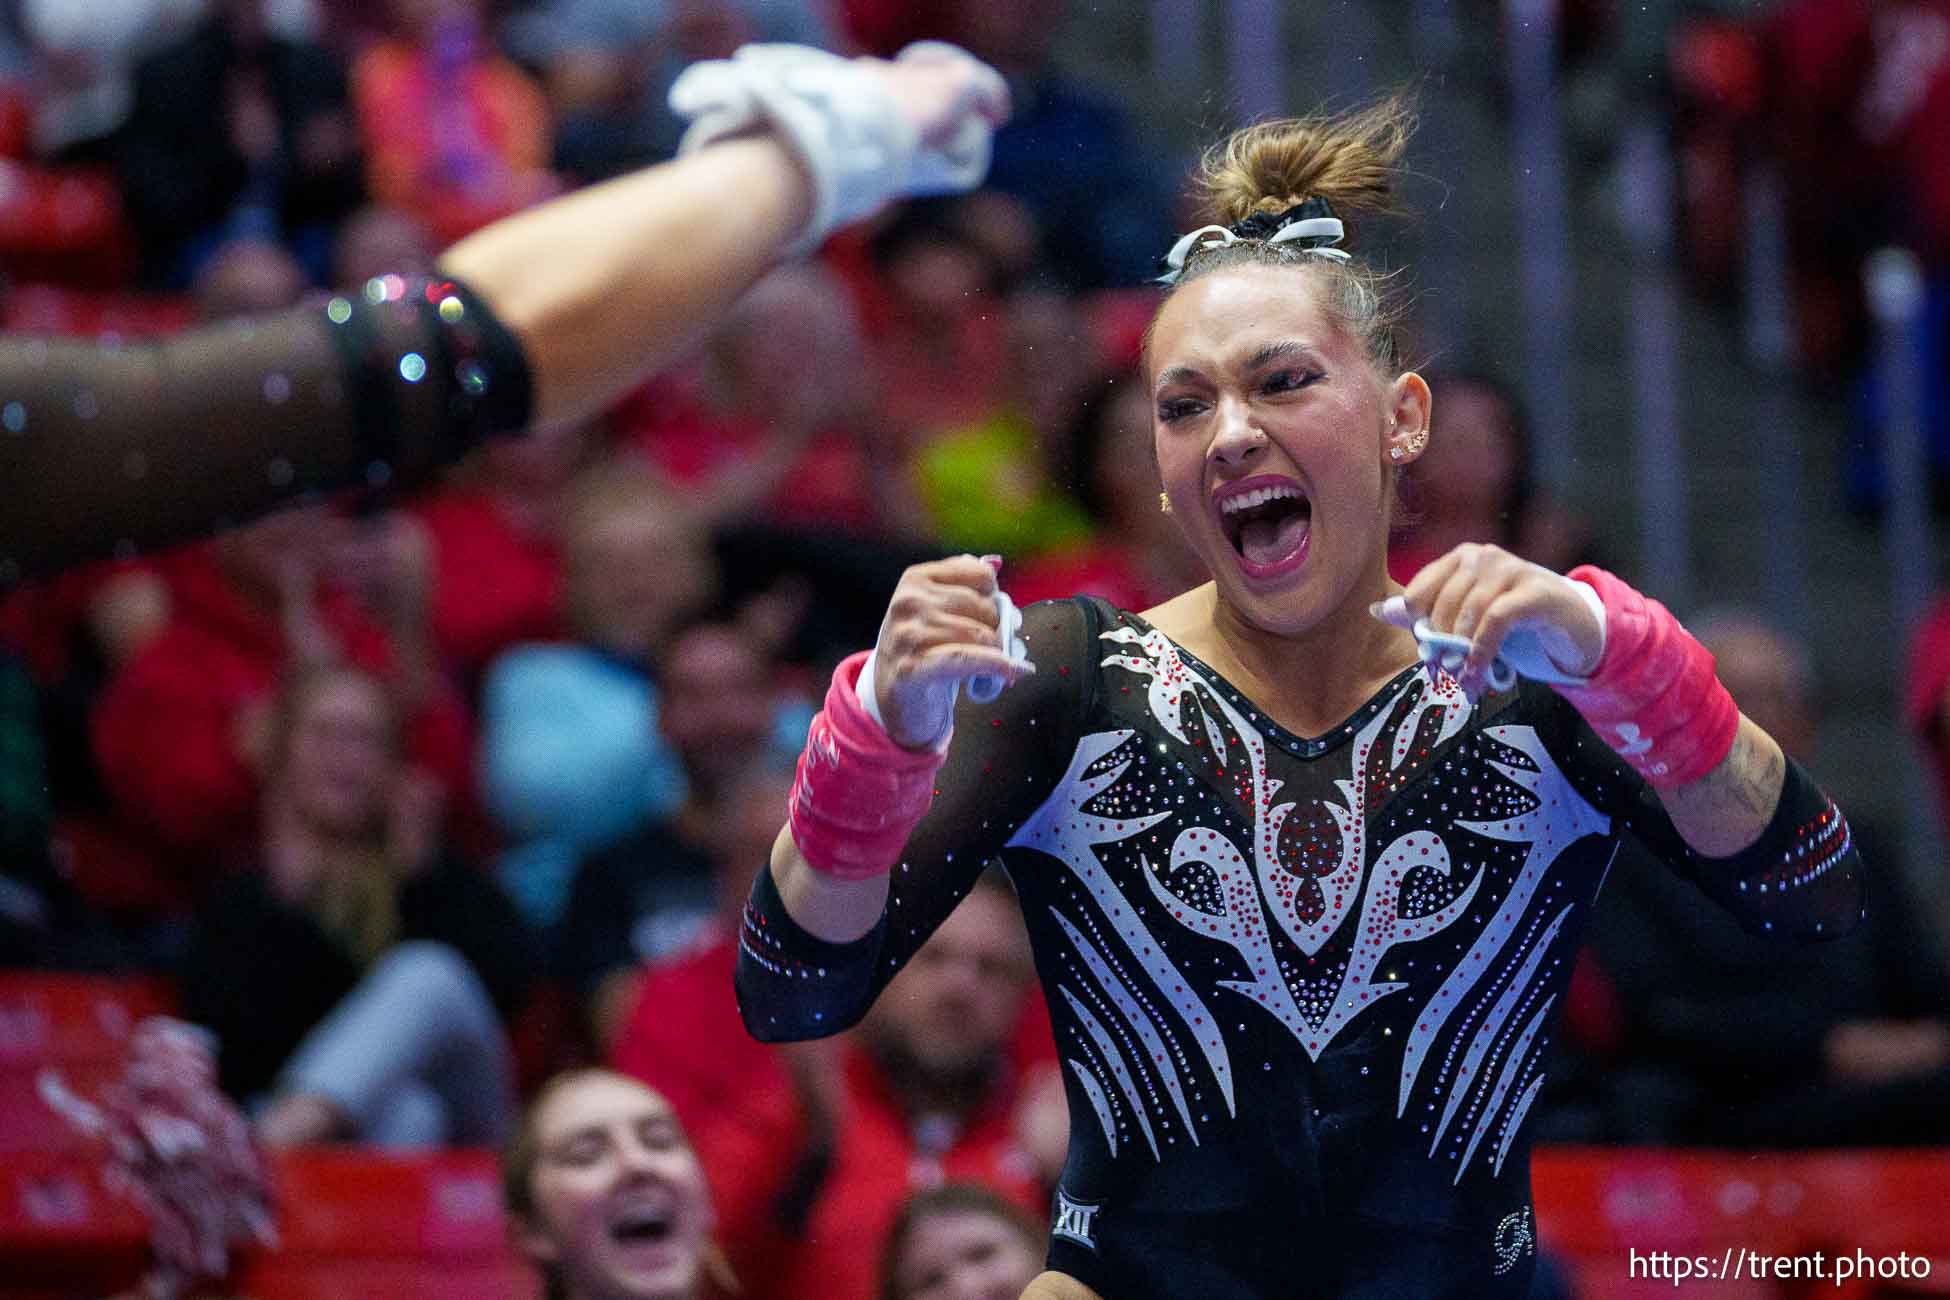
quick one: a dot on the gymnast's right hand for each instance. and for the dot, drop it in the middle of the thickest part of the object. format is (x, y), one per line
(944, 91)
(865, 130)
(941, 629)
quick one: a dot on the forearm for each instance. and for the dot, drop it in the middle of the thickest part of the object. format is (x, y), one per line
(1767, 843)
(1726, 810)
(797, 977)
(608, 284)
(835, 911)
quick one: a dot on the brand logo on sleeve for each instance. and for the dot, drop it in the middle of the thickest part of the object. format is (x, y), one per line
(1075, 1220)
(1514, 1239)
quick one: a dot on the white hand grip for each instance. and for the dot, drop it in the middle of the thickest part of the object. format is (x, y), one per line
(1007, 631)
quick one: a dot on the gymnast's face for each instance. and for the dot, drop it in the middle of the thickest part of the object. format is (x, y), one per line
(620, 1206)
(1274, 430)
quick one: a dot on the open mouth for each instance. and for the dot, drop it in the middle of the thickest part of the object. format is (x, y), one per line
(1267, 520)
(642, 1227)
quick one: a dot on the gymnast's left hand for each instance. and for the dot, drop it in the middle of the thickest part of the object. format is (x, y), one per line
(1485, 593)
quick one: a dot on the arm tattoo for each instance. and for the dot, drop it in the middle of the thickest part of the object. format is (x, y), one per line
(1727, 809)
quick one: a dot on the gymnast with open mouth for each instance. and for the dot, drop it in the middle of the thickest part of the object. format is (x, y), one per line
(1304, 855)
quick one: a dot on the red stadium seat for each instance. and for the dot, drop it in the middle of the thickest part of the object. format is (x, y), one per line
(61, 1232)
(54, 1201)
(68, 1020)
(76, 1024)
(63, 223)
(278, 1278)
(351, 1223)
(1607, 1200)
(1595, 1206)
(341, 1202)
(26, 1121)
(357, 1223)
(1904, 1198)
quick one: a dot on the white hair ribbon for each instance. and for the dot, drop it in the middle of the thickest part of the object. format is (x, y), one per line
(1327, 228)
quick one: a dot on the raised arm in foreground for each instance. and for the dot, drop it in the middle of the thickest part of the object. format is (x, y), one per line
(548, 316)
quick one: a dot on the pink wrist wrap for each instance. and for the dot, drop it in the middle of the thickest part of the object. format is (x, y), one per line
(858, 794)
(1654, 696)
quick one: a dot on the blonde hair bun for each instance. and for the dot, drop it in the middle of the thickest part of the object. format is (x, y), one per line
(1348, 159)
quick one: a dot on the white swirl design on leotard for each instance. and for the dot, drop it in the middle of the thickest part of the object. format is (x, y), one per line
(1560, 816)
(1214, 888)
(1514, 1238)
(1120, 1070)
(1246, 892)
(1492, 1027)
(1127, 1006)
(1093, 1089)
(1063, 830)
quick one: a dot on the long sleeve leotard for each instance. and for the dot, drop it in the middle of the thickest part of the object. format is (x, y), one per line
(1301, 986)
(108, 447)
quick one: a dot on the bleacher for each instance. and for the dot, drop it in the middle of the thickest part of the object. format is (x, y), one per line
(359, 1223)
(351, 1222)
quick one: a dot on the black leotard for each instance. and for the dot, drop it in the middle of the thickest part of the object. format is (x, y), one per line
(109, 447)
(1301, 987)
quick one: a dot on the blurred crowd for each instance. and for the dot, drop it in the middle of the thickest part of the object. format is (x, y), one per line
(1850, 105)
(421, 801)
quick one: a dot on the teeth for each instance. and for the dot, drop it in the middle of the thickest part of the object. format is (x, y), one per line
(1257, 497)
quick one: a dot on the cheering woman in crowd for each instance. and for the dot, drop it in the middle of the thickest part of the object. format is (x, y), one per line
(541, 319)
(606, 1197)
(1304, 858)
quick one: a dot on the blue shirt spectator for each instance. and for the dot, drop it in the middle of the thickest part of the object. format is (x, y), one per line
(571, 754)
(571, 761)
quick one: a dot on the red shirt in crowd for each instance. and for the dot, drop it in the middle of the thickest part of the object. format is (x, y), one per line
(166, 730)
(830, 484)
(496, 584)
(1885, 70)
(460, 137)
(885, 27)
(750, 1156)
(684, 1037)
(733, 1094)
(40, 621)
(1097, 569)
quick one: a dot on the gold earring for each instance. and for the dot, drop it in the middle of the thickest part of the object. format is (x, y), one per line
(1164, 502)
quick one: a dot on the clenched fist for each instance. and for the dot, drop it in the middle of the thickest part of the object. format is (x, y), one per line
(941, 629)
(1484, 594)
